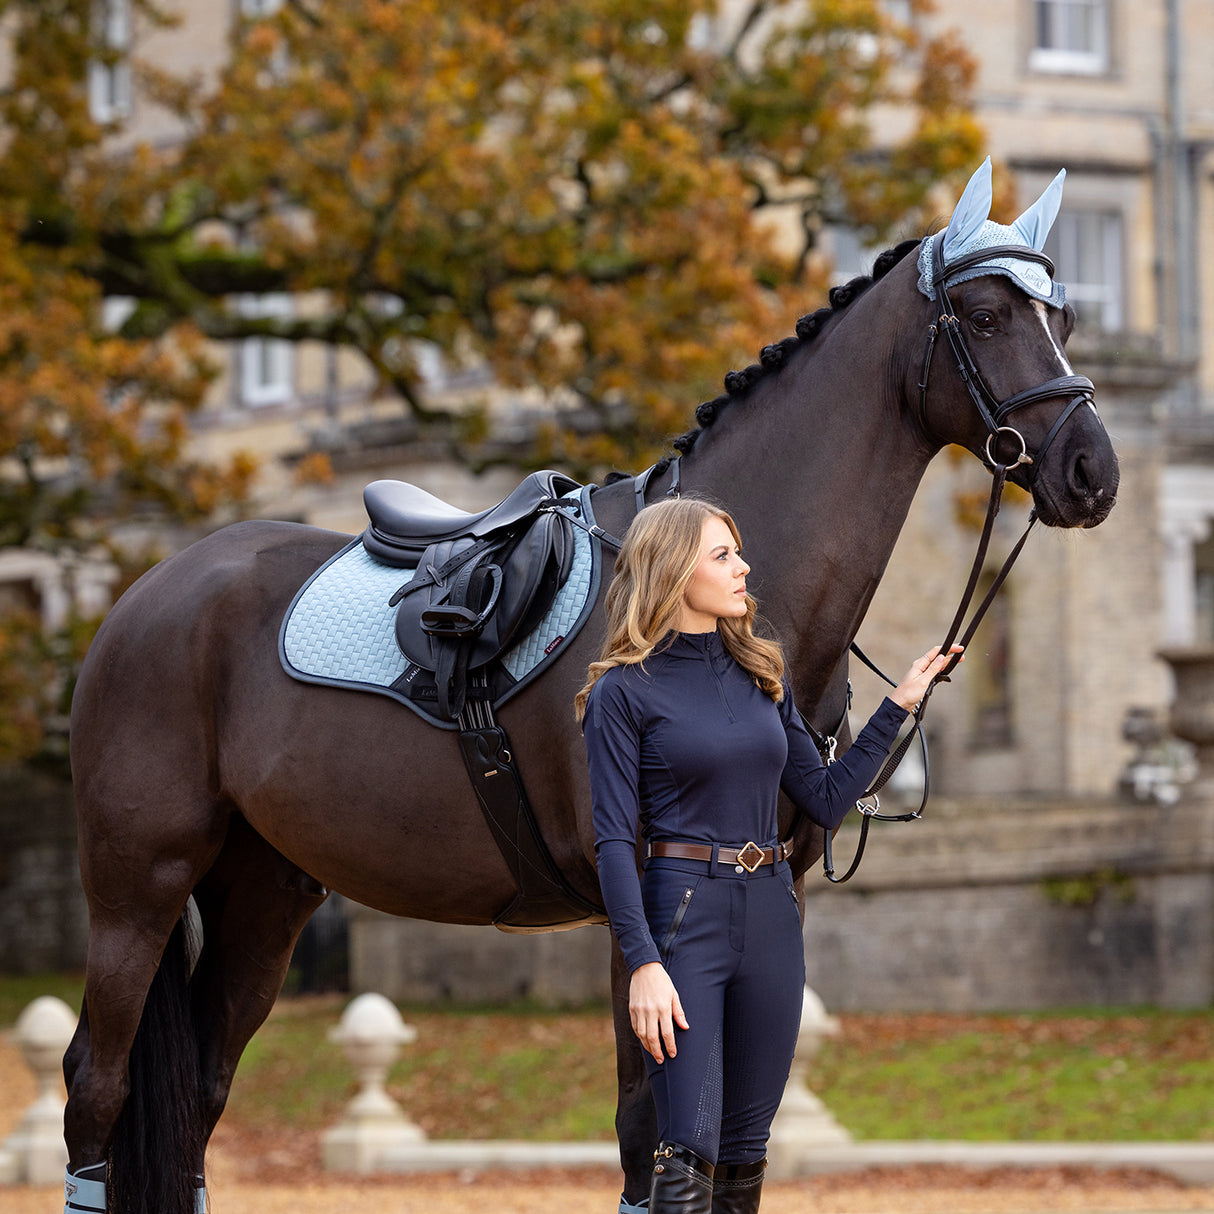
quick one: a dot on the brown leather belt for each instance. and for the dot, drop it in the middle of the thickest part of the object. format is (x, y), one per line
(750, 856)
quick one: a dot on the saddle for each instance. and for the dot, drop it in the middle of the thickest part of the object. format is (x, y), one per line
(480, 580)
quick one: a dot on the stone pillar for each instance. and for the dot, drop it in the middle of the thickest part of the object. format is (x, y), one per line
(803, 1124)
(371, 1032)
(34, 1153)
(1192, 712)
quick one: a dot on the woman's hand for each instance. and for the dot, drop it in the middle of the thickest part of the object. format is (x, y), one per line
(918, 678)
(653, 1005)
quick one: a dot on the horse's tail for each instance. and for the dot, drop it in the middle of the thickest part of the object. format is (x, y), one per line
(160, 1138)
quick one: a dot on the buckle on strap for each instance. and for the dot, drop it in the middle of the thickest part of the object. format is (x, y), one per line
(751, 849)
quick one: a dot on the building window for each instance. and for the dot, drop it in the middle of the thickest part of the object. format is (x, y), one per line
(1203, 588)
(266, 363)
(259, 8)
(1070, 36)
(109, 80)
(1087, 252)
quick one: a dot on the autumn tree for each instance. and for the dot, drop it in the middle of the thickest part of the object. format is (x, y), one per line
(612, 201)
(93, 425)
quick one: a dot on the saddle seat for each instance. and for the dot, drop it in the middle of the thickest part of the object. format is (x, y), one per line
(405, 520)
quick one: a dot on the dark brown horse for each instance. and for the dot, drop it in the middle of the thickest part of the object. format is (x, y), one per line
(202, 770)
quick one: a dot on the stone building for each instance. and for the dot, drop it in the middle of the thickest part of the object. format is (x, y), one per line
(1120, 95)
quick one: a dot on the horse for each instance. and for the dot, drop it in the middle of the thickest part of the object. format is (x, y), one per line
(206, 778)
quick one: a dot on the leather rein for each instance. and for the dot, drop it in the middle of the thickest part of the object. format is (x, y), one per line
(994, 414)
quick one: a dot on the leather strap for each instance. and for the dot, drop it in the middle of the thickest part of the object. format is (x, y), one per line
(544, 898)
(725, 855)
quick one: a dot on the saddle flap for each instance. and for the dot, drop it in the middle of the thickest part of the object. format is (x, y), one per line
(471, 598)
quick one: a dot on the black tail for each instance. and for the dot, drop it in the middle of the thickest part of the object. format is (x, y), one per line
(160, 1139)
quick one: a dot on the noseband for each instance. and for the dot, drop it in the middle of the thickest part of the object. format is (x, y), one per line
(994, 412)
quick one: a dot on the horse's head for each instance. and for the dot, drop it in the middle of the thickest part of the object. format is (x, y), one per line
(994, 377)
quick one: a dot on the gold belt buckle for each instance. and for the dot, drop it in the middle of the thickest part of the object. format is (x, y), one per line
(758, 856)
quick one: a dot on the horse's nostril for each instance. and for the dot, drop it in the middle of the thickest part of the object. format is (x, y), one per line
(1080, 478)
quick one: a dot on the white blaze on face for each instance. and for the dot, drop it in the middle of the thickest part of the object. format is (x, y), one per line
(1043, 315)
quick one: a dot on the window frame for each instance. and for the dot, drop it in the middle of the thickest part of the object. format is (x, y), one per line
(110, 91)
(1070, 60)
(1108, 291)
(255, 354)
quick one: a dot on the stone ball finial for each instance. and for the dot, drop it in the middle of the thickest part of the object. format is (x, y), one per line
(43, 1031)
(372, 1018)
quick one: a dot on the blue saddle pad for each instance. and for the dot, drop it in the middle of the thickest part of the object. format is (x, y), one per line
(340, 630)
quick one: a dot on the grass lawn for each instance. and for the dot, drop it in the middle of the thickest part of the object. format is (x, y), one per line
(522, 1072)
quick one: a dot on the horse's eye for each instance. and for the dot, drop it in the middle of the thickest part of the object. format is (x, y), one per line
(983, 321)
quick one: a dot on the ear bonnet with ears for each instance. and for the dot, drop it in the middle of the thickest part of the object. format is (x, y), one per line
(970, 230)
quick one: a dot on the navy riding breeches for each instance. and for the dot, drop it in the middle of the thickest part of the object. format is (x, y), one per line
(731, 943)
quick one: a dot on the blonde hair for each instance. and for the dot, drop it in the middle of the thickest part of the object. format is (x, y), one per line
(644, 601)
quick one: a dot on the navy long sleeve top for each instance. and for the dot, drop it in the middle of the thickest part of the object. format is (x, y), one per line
(689, 748)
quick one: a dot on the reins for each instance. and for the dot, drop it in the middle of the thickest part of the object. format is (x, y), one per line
(994, 414)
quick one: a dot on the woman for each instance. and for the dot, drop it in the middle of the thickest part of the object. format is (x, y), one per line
(690, 734)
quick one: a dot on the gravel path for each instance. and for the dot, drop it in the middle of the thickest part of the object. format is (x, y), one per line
(277, 1174)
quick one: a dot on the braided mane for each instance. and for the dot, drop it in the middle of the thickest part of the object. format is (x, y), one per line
(771, 358)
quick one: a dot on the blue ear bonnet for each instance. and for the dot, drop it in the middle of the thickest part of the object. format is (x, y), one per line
(1030, 277)
(969, 231)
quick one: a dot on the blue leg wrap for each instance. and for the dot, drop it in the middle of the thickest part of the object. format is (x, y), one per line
(200, 1195)
(625, 1208)
(82, 1192)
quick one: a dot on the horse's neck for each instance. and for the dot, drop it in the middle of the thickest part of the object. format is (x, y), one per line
(819, 469)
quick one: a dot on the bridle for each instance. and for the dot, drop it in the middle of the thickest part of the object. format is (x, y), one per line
(994, 414)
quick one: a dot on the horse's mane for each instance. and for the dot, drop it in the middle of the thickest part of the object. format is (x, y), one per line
(738, 384)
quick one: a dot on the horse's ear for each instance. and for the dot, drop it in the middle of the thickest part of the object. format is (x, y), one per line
(1034, 225)
(971, 211)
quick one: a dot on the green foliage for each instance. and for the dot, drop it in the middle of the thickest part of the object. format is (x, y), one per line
(1052, 1076)
(1086, 889)
(18, 991)
(1080, 1075)
(470, 1074)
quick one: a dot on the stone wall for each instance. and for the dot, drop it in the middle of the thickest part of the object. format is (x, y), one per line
(975, 908)
(43, 922)
(1020, 906)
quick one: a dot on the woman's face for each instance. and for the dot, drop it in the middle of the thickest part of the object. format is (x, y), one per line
(717, 589)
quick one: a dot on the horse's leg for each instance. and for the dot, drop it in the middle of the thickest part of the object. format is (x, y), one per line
(253, 904)
(636, 1123)
(137, 963)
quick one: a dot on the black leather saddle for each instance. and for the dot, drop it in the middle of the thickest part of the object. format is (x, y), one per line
(481, 581)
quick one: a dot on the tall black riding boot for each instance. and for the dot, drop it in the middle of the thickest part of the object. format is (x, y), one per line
(682, 1181)
(736, 1187)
